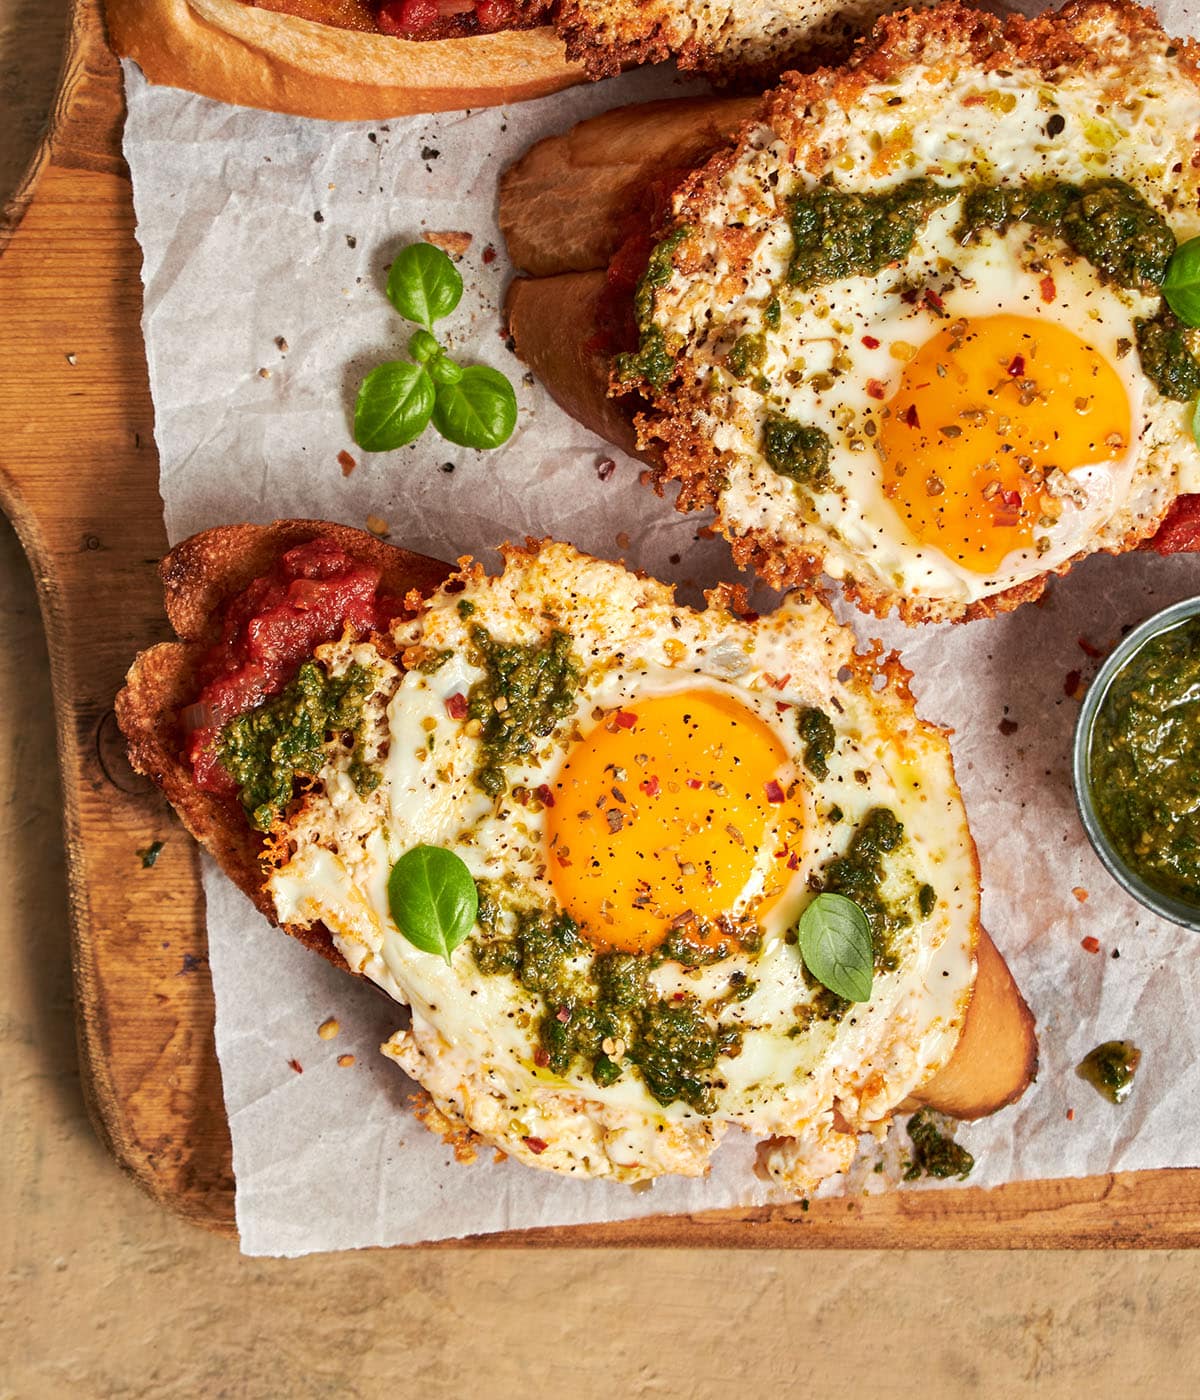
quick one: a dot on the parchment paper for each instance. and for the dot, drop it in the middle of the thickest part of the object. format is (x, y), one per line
(266, 240)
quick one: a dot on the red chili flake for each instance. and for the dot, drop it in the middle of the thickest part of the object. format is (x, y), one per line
(1007, 510)
(346, 462)
(695, 784)
(1016, 366)
(870, 342)
(1070, 1115)
(1089, 650)
(782, 706)
(456, 706)
(1047, 289)
(933, 299)
(876, 389)
(793, 861)
(1090, 944)
(778, 682)
(649, 786)
(544, 794)
(1071, 682)
(910, 416)
(563, 1014)
(489, 254)
(541, 1057)
(625, 719)
(605, 468)
(296, 1065)
(774, 791)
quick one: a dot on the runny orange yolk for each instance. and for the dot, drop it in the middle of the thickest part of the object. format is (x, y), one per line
(985, 411)
(660, 815)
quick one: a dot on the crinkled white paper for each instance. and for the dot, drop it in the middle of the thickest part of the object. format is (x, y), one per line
(266, 240)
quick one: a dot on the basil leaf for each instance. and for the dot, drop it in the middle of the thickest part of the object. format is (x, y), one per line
(1196, 423)
(393, 406)
(445, 371)
(433, 899)
(424, 284)
(1181, 285)
(835, 943)
(479, 411)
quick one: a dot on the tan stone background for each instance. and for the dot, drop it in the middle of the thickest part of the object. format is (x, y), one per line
(105, 1295)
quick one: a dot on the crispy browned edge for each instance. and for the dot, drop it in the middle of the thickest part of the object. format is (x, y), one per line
(198, 576)
(255, 57)
(664, 434)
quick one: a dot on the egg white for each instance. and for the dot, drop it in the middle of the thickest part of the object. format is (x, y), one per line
(473, 1037)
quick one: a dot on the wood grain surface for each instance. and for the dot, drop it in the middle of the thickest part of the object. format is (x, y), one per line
(78, 476)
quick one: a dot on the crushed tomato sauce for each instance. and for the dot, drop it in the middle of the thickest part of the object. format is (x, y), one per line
(268, 630)
(1180, 531)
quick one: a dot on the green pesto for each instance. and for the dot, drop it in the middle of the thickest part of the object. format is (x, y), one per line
(797, 451)
(748, 352)
(466, 608)
(823, 1005)
(772, 314)
(267, 749)
(935, 1154)
(859, 874)
(837, 234)
(149, 856)
(819, 736)
(1110, 1068)
(652, 362)
(1105, 221)
(606, 999)
(434, 662)
(1144, 770)
(657, 274)
(536, 687)
(926, 900)
(1167, 362)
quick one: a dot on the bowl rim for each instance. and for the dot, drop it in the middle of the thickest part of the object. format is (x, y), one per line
(1167, 906)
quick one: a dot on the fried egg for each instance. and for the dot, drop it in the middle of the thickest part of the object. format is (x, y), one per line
(647, 797)
(987, 411)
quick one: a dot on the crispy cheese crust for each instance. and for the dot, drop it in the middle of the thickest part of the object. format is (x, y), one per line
(1089, 37)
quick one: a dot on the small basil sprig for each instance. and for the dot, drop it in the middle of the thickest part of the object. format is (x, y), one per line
(432, 899)
(1181, 285)
(835, 943)
(471, 405)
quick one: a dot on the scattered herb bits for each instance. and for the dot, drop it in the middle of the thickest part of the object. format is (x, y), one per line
(469, 405)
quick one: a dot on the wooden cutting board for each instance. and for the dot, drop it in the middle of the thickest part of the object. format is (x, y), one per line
(79, 478)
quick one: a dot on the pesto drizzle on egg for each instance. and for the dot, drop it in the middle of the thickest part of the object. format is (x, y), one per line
(268, 748)
(524, 693)
(599, 1010)
(860, 874)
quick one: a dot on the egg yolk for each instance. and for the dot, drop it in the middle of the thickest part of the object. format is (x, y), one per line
(659, 817)
(985, 412)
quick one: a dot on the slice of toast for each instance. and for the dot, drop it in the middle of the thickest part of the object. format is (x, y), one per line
(198, 576)
(996, 1058)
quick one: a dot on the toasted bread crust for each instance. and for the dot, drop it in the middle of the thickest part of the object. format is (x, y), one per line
(198, 576)
(254, 57)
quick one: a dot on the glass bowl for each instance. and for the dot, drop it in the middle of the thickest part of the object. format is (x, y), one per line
(1177, 910)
